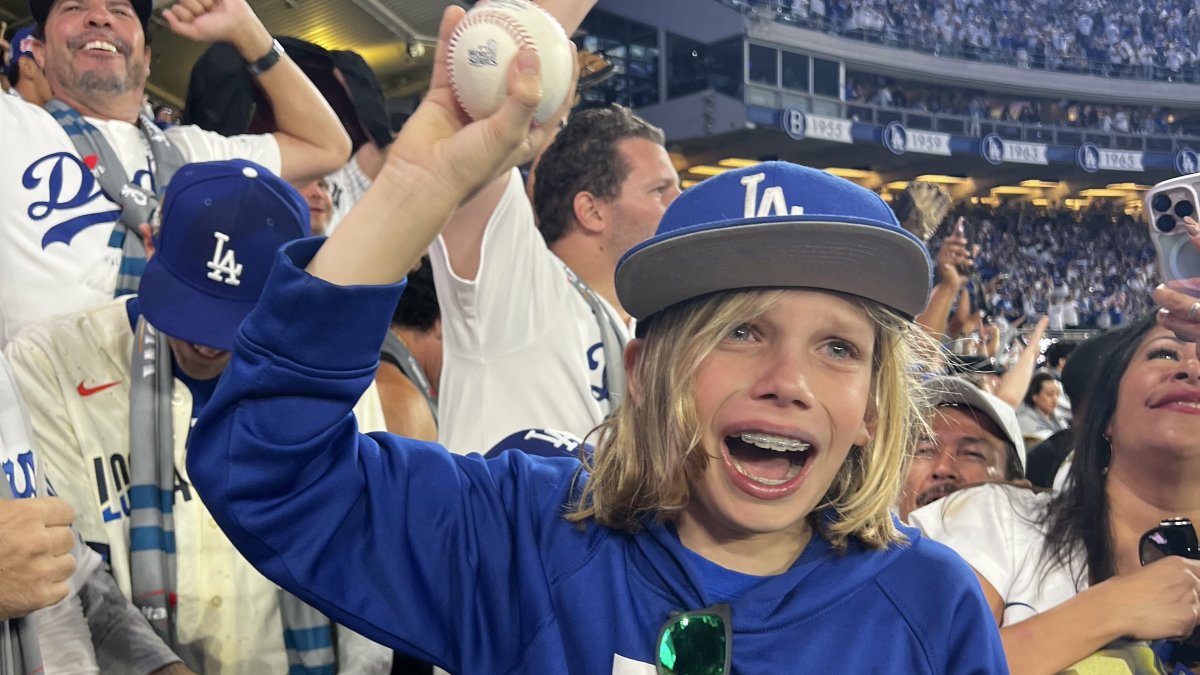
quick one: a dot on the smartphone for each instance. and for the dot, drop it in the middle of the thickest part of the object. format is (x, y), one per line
(1167, 204)
(966, 229)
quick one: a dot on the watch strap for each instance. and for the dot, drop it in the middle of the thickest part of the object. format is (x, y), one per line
(268, 61)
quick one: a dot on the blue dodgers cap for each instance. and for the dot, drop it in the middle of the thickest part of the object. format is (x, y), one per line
(20, 49)
(541, 442)
(222, 223)
(776, 225)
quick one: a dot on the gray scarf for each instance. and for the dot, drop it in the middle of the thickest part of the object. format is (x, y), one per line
(137, 205)
(307, 633)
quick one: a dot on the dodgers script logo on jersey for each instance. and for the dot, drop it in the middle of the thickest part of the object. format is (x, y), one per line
(62, 182)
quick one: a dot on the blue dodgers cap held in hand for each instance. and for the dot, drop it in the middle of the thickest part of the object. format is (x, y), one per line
(776, 225)
(222, 223)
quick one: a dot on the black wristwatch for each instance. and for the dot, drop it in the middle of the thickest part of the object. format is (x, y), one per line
(267, 62)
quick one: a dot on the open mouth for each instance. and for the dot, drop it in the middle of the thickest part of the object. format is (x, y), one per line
(766, 459)
(101, 45)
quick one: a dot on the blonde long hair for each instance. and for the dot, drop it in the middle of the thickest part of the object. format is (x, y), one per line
(650, 449)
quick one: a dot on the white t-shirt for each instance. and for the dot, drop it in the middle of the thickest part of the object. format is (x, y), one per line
(994, 528)
(521, 347)
(55, 221)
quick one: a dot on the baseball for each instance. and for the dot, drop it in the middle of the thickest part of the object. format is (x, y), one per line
(484, 44)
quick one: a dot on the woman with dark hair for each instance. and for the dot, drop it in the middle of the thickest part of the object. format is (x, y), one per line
(1062, 571)
(1038, 414)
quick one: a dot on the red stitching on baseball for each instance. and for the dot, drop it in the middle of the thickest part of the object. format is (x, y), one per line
(514, 28)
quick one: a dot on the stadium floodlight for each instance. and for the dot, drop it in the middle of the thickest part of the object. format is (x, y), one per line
(738, 163)
(941, 178)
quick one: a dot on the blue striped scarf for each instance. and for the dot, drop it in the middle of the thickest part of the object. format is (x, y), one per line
(307, 634)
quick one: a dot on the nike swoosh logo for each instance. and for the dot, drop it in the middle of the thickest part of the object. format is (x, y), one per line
(88, 391)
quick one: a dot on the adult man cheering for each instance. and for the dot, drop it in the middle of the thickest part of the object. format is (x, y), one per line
(78, 181)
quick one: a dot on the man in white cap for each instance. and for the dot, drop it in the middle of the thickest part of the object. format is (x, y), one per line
(975, 439)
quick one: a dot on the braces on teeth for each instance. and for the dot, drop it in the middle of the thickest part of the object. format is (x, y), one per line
(775, 443)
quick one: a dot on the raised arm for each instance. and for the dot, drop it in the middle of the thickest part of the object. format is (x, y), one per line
(437, 162)
(311, 140)
(359, 525)
(1015, 382)
(463, 235)
(949, 282)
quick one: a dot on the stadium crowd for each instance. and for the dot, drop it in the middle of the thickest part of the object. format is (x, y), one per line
(1119, 38)
(303, 393)
(978, 105)
(1081, 269)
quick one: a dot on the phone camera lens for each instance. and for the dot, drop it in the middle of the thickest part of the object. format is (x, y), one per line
(1160, 203)
(1165, 223)
(1184, 209)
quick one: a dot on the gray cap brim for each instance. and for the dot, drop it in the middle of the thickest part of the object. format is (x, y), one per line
(957, 391)
(864, 260)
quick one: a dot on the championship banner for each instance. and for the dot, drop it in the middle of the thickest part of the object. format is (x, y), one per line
(899, 140)
(1092, 159)
(997, 151)
(800, 125)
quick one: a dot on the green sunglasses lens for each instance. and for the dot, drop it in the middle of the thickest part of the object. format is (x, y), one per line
(694, 644)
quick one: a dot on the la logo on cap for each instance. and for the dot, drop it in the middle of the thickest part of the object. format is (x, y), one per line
(224, 262)
(773, 201)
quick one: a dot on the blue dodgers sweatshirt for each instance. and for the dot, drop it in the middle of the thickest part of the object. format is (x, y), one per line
(468, 563)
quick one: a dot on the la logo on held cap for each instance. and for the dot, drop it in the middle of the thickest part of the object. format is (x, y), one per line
(776, 225)
(221, 226)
